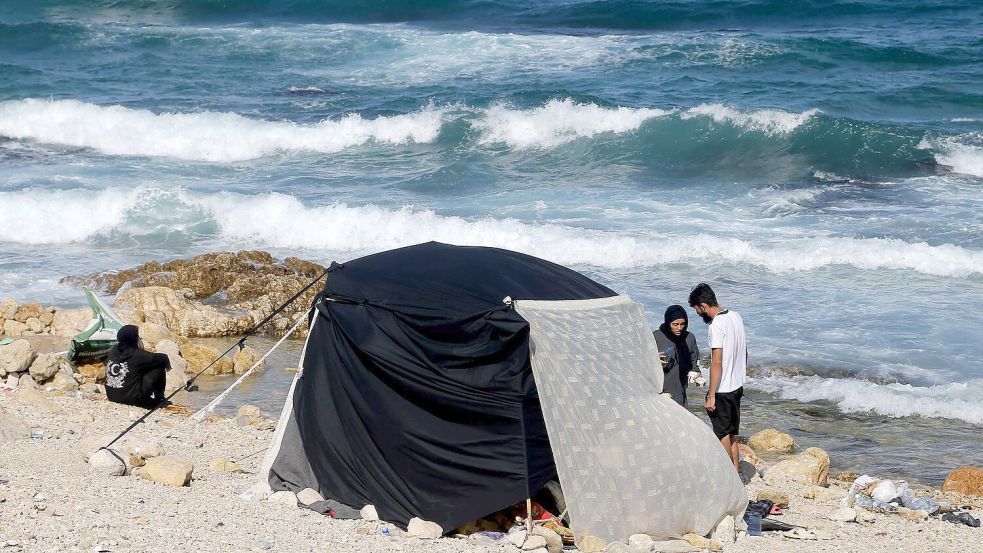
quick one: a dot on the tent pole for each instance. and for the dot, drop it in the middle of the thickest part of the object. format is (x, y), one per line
(528, 516)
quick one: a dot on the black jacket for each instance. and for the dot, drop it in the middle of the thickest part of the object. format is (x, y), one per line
(125, 371)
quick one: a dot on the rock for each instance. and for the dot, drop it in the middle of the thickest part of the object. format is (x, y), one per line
(27, 311)
(45, 366)
(153, 334)
(64, 381)
(967, 480)
(25, 381)
(244, 359)
(7, 308)
(748, 454)
(843, 514)
(772, 441)
(554, 543)
(369, 513)
(643, 541)
(199, 356)
(912, 514)
(700, 542)
(31, 396)
(170, 470)
(180, 314)
(248, 415)
(308, 496)
(286, 498)
(617, 547)
(16, 357)
(47, 318)
(419, 528)
(219, 464)
(12, 427)
(534, 542)
(93, 389)
(104, 462)
(725, 532)
(93, 372)
(778, 498)
(173, 352)
(69, 322)
(266, 424)
(516, 536)
(34, 325)
(590, 544)
(12, 381)
(13, 328)
(809, 467)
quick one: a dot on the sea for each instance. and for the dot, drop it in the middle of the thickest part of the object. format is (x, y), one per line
(820, 164)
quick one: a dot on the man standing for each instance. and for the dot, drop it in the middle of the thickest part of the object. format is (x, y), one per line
(728, 367)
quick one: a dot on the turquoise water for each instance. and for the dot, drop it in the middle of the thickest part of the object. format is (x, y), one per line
(820, 163)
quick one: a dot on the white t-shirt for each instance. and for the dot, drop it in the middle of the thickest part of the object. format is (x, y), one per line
(727, 333)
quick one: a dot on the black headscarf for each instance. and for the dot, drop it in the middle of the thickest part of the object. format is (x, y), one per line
(674, 312)
(128, 338)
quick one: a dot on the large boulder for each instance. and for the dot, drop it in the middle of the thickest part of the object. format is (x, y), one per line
(27, 311)
(170, 470)
(152, 334)
(94, 372)
(772, 441)
(34, 325)
(809, 467)
(69, 322)
(7, 308)
(46, 366)
(199, 356)
(16, 357)
(12, 427)
(12, 328)
(181, 314)
(177, 377)
(245, 358)
(748, 454)
(64, 380)
(966, 480)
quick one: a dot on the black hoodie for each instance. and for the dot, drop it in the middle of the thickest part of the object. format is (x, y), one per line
(681, 353)
(127, 366)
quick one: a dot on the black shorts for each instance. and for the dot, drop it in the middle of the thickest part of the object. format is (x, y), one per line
(726, 418)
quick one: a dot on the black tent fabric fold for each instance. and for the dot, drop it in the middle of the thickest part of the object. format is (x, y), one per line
(417, 394)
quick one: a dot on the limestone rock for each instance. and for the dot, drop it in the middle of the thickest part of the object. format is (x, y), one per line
(69, 322)
(285, 498)
(248, 415)
(590, 544)
(773, 441)
(554, 543)
(104, 462)
(700, 542)
(45, 366)
(173, 352)
(16, 357)
(534, 542)
(31, 396)
(245, 359)
(843, 514)
(419, 528)
(308, 496)
(64, 381)
(94, 372)
(777, 497)
(13, 328)
(809, 467)
(199, 356)
(27, 311)
(180, 314)
(748, 454)
(725, 532)
(219, 464)
(12, 381)
(369, 513)
(170, 470)
(967, 480)
(26, 381)
(12, 427)
(640, 542)
(153, 334)
(93, 389)
(34, 325)
(7, 308)
(47, 317)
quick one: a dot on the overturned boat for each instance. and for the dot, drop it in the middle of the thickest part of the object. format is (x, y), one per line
(100, 336)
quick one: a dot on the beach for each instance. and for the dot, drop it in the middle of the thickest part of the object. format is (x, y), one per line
(50, 500)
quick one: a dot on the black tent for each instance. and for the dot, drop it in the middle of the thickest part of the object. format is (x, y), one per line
(416, 394)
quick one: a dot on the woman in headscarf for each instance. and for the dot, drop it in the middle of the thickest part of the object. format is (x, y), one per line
(678, 352)
(135, 376)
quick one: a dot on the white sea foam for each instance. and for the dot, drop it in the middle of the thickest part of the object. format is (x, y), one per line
(558, 122)
(963, 153)
(767, 121)
(282, 221)
(958, 401)
(206, 136)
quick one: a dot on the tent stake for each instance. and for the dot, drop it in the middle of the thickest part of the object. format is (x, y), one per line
(528, 516)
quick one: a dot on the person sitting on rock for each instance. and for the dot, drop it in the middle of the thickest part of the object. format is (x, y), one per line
(135, 376)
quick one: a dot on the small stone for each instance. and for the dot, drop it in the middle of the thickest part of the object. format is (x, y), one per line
(308, 496)
(248, 415)
(45, 366)
(106, 463)
(266, 424)
(590, 544)
(809, 495)
(534, 542)
(170, 470)
(967, 480)
(219, 464)
(843, 514)
(265, 545)
(641, 540)
(419, 528)
(617, 547)
(780, 499)
(516, 537)
(245, 358)
(700, 542)
(773, 441)
(17, 357)
(725, 532)
(809, 467)
(554, 543)
(369, 513)
(285, 497)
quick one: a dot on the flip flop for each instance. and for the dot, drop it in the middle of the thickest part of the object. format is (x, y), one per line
(775, 510)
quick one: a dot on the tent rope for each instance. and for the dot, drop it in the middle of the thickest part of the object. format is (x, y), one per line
(239, 343)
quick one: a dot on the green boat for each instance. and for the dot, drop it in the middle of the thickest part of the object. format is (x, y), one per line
(100, 336)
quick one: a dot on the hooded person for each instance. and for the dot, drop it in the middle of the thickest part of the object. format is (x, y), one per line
(679, 353)
(135, 376)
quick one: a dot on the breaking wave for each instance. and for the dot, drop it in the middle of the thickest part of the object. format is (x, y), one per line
(276, 220)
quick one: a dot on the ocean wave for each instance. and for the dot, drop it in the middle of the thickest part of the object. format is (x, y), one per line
(768, 121)
(959, 401)
(206, 136)
(276, 220)
(963, 153)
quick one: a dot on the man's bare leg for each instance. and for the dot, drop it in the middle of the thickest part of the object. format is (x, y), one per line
(730, 446)
(735, 453)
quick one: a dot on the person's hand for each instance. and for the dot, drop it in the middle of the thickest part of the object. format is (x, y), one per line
(711, 403)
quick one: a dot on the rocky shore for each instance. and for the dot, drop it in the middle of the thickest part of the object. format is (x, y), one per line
(176, 485)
